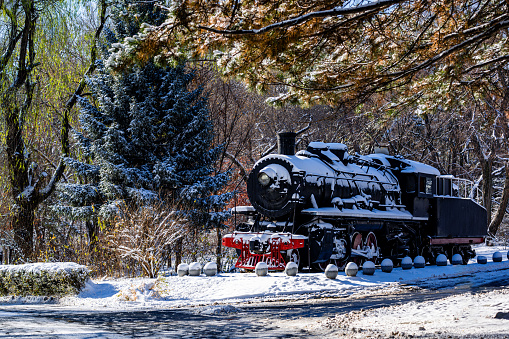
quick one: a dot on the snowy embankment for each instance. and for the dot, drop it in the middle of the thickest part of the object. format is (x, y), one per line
(227, 288)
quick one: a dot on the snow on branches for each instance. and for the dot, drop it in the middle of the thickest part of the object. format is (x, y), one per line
(330, 52)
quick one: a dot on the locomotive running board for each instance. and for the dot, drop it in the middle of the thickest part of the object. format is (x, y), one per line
(362, 213)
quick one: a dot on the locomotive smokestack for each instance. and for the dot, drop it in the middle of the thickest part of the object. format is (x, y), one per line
(286, 143)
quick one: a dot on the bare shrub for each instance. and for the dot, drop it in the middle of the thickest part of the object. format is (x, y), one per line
(142, 236)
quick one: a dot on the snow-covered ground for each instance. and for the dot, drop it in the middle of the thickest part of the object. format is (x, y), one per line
(486, 313)
(225, 288)
(467, 315)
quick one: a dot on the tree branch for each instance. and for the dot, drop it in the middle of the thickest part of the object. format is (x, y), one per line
(50, 187)
(482, 64)
(306, 17)
(485, 35)
(236, 161)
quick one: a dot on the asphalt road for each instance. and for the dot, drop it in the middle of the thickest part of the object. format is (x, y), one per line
(261, 320)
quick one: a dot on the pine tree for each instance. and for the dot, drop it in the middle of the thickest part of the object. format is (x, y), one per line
(146, 137)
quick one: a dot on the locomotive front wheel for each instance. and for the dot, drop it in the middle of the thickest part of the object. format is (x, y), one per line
(294, 256)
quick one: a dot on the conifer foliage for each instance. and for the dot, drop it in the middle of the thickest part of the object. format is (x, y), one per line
(146, 137)
(334, 52)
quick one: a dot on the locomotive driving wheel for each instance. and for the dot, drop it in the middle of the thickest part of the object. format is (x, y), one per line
(340, 254)
(371, 247)
(367, 249)
(357, 246)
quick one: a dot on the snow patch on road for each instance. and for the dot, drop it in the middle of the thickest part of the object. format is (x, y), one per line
(483, 314)
(218, 310)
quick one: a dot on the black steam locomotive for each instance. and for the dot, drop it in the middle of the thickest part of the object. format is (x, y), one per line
(323, 205)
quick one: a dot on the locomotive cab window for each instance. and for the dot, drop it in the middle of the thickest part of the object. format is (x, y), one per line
(411, 183)
(426, 185)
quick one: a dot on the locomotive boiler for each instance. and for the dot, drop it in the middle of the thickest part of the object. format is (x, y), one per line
(323, 205)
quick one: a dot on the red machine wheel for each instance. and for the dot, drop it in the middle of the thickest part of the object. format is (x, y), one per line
(357, 245)
(371, 245)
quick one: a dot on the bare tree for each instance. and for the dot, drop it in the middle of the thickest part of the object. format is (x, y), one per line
(29, 184)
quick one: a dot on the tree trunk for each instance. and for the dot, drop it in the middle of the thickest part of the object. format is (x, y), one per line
(23, 219)
(178, 253)
(22, 187)
(92, 235)
(487, 186)
(218, 249)
(499, 215)
(486, 162)
(168, 257)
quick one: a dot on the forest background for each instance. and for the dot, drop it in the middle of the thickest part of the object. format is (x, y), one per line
(430, 80)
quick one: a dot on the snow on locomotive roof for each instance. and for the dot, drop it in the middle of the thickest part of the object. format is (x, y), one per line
(329, 145)
(317, 145)
(337, 146)
(410, 166)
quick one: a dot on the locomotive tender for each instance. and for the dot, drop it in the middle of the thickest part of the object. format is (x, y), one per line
(323, 205)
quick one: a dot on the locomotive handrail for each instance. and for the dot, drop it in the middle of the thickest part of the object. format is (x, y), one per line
(465, 188)
(353, 179)
(362, 162)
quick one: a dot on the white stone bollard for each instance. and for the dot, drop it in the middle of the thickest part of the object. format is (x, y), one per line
(351, 269)
(194, 269)
(457, 259)
(182, 270)
(261, 269)
(387, 265)
(481, 259)
(291, 269)
(441, 260)
(419, 262)
(368, 268)
(210, 269)
(406, 263)
(497, 257)
(331, 271)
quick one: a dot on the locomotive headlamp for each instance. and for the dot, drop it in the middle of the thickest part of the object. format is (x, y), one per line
(273, 174)
(263, 179)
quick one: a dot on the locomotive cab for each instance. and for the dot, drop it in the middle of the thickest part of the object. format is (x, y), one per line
(417, 182)
(416, 190)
